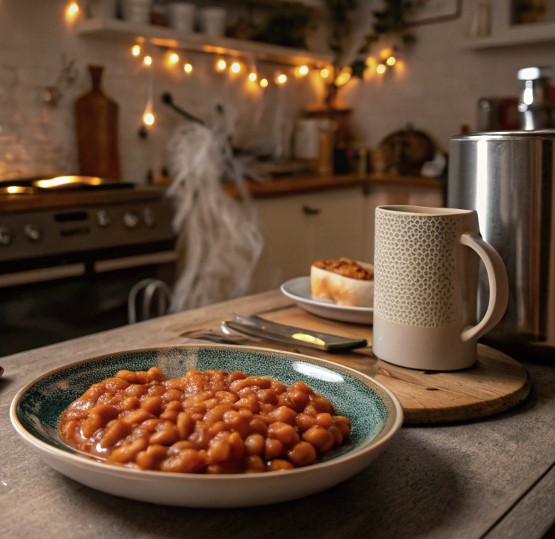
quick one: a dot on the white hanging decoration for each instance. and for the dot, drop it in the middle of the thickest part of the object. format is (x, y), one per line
(219, 241)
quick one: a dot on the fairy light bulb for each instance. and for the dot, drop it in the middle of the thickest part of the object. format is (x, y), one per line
(147, 60)
(188, 67)
(235, 67)
(148, 118)
(72, 10)
(380, 69)
(325, 73)
(301, 71)
(136, 50)
(221, 65)
(391, 61)
(253, 77)
(264, 83)
(385, 53)
(344, 77)
(173, 58)
(281, 78)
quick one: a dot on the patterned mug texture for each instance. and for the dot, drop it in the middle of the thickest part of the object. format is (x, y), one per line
(426, 267)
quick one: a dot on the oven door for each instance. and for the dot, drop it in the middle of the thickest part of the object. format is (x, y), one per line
(51, 304)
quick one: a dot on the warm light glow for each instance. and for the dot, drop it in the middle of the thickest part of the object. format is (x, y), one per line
(281, 78)
(301, 71)
(60, 181)
(235, 67)
(221, 64)
(264, 83)
(325, 73)
(147, 60)
(391, 61)
(188, 68)
(380, 69)
(344, 77)
(72, 10)
(173, 58)
(136, 50)
(385, 53)
(148, 118)
(253, 77)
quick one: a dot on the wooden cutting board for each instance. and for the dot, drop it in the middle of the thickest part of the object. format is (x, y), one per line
(493, 385)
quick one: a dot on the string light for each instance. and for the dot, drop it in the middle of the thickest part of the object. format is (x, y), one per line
(147, 60)
(325, 73)
(173, 58)
(253, 77)
(188, 67)
(302, 71)
(72, 10)
(235, 67)
(264, 83)
(148, 117)
(380, 69)
(344, 77)
(221, 65)
(281, 78)
(391, 61)
(136, 50)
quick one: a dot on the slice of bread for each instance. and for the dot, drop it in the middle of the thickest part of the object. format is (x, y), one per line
(343, 281)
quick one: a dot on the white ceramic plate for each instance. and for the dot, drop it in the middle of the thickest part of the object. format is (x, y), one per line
(298, 289)
(375, 413)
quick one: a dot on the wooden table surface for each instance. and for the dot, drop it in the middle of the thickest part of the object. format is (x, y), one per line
(490, 477)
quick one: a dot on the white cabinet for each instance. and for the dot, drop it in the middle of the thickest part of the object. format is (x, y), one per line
(299, 229)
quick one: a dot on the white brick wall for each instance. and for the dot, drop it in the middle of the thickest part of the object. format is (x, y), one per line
(438, 92)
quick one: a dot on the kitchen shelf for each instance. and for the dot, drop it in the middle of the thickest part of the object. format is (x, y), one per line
(119, 30)
(520, 34)
(503, 33)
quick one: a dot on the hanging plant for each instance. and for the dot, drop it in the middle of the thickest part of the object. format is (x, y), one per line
(388, 21)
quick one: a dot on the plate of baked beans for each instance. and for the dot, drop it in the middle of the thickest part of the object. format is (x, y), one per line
(207, 425)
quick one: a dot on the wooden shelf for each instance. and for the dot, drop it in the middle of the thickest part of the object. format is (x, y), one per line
(521, 34)
(505, 34)
(119, 30)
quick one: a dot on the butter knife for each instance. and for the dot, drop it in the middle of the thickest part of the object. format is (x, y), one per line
(256, 326)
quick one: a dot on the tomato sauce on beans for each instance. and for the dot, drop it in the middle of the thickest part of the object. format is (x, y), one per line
(203, 422)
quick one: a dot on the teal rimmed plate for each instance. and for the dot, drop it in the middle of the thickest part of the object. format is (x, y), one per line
(375, 413)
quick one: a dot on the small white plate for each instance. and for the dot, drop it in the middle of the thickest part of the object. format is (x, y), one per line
(298, 289)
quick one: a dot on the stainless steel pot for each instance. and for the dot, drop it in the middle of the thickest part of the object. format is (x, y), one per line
(509, 179)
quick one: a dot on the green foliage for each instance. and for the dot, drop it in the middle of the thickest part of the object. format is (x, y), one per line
(287, 25)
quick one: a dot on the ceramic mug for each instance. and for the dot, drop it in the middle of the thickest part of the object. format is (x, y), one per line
(426, 266)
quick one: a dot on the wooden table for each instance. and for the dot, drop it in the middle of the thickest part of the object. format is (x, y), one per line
(485, 478)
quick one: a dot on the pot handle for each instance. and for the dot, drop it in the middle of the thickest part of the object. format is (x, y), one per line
(498, 283)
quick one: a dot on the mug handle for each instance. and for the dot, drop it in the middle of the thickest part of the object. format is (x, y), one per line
(498, 283)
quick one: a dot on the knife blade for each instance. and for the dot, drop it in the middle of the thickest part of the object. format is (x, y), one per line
(256, 326)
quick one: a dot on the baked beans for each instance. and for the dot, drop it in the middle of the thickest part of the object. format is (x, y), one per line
(203, 422)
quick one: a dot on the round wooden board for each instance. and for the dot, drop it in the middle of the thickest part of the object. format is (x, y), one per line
(494, 384)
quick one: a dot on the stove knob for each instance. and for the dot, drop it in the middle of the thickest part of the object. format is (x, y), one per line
(148, 217)
(103, 218)
(130, 219)
(32, 232)
(6, 236)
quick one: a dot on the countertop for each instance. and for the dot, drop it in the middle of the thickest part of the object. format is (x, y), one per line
(304, 183)
(490, 478)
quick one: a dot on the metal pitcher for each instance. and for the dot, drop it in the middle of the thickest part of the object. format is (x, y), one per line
(508, 178)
